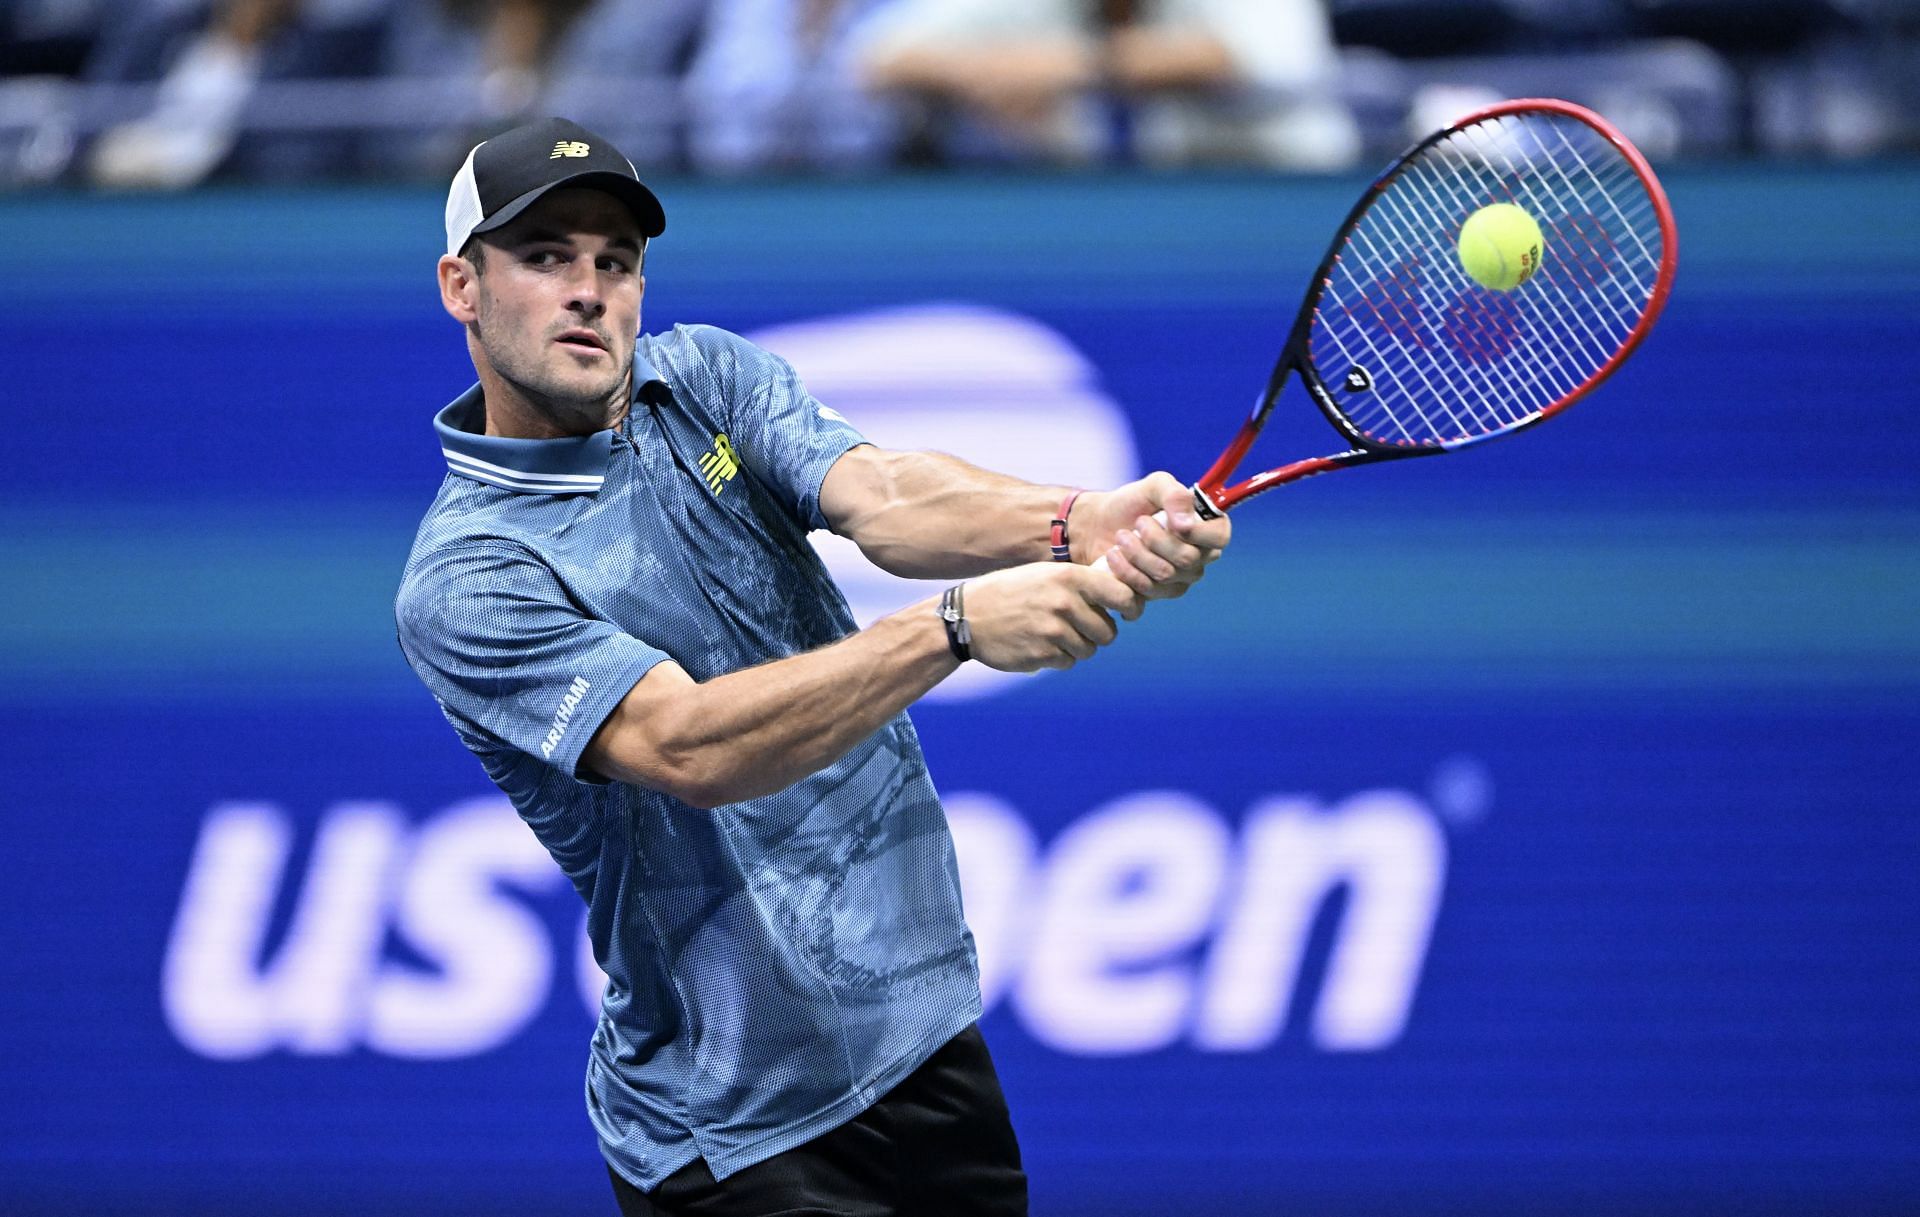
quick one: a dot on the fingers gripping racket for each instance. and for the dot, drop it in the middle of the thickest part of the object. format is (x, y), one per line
(1407, 353)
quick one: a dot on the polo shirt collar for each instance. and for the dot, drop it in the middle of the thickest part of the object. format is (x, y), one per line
(573, 464)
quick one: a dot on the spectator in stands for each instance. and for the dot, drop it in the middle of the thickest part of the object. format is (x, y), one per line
(493, 61)
(490, 54)
(609, 64)
(207, 57)
(1247, 81)
(617, 70)
(196, 119)
(47, 37)
(519, 37)
(776, 85)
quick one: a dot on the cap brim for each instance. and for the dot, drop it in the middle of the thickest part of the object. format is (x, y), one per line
(646, 209)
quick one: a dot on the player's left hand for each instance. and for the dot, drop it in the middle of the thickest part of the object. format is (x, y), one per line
(1159, 561)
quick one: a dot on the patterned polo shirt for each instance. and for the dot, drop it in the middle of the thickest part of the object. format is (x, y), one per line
(776, 965)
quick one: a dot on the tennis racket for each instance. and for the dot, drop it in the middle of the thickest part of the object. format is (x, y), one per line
(1406, 354)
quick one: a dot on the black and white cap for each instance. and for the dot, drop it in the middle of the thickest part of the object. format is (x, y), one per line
(506, 174)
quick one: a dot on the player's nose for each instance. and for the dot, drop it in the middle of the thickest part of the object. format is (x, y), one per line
(583, 289)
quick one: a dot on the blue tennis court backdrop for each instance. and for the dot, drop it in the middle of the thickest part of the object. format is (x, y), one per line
(1528, 831)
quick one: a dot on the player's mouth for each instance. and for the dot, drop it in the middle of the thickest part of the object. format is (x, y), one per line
(581, 340)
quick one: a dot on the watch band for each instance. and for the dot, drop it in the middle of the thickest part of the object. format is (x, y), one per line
(1057, 532)
(953, 614)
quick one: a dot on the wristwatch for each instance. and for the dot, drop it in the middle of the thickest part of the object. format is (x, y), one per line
(953, 613)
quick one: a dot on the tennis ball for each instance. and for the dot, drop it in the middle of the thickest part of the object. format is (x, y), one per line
(1500, 246)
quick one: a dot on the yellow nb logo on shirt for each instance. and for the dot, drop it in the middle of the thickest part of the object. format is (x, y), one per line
(719, 466)
(569, 148)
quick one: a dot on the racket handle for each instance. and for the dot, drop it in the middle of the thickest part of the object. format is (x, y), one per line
(1100, 563)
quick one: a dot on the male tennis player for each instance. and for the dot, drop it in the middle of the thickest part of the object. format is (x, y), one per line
(615, 604)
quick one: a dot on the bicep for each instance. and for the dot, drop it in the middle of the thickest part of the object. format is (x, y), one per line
(857, 488)
(636, 741)
(927, 515)
(495, 636)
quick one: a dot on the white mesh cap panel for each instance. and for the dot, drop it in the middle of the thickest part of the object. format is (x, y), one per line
(463, 206)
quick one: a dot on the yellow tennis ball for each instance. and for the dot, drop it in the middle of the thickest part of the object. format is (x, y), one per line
(1500, 246)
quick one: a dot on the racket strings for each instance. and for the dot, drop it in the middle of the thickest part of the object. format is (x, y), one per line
(1572, 294)
(1462, 194)
(1523, 397)
(1444, 361)
(1564, 353)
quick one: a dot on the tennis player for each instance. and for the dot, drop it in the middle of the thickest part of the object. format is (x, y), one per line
(614, 602)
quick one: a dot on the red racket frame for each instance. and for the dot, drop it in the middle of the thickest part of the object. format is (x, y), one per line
(1212, 493)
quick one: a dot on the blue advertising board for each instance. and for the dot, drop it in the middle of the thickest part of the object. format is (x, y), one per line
(1527, 831)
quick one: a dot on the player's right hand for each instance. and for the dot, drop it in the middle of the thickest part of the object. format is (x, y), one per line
(1045, 614)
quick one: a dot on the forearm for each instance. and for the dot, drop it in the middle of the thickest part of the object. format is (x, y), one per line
(913, 68)
(1044, 66)
(759, 730)
(927, 515)
(1146, 59)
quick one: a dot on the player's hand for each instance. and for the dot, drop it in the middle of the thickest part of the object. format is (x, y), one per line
(1044, 615)
(1156, 561)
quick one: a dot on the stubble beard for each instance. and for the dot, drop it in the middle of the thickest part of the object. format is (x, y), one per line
(571, 409)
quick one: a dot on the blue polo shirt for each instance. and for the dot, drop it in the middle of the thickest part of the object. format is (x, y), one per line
(774, 966)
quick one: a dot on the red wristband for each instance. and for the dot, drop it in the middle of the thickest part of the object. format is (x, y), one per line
(1062, 552)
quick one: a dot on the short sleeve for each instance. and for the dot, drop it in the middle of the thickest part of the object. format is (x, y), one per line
(778, 430)
(499, 642)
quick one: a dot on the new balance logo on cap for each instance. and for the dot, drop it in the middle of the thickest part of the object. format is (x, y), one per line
(508, 173)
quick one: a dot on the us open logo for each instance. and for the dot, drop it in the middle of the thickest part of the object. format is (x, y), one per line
(1156, 920)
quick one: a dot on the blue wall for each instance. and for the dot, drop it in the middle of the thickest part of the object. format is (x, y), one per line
(1594, 742)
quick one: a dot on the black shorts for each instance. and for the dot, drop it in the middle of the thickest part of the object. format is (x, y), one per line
(940, 1144)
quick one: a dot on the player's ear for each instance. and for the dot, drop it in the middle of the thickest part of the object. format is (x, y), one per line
(459, 289)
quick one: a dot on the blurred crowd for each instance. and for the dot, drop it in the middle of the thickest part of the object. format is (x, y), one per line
(169, 93)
